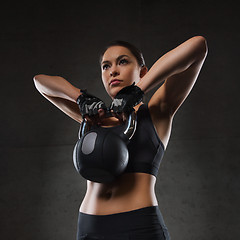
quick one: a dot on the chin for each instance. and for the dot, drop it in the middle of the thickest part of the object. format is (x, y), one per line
(113, 92)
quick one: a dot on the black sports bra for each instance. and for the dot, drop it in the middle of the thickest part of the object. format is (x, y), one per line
(146, 150)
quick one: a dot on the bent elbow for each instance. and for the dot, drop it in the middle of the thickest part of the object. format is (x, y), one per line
(203, 42)
(37, 77)
(37, 81)
(201, 46)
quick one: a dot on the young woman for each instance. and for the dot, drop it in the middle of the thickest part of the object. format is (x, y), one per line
(127, 208)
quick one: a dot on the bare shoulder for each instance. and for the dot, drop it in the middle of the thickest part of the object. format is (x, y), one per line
(162, 121)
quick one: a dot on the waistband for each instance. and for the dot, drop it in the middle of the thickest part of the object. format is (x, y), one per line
(125, 221)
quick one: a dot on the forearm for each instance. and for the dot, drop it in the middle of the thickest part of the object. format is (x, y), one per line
(175, 61)
(56, 86)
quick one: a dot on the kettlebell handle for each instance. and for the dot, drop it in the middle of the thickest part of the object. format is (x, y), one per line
(130, 125)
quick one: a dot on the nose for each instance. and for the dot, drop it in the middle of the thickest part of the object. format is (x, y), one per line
(114, 72)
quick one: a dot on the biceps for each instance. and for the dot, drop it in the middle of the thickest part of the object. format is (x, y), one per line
(176, 89)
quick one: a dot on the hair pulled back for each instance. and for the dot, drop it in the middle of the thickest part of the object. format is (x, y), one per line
(134, 50)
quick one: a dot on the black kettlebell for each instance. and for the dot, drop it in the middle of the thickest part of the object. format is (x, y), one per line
(100, 154)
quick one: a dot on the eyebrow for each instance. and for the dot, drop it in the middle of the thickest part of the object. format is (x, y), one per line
(118, 58)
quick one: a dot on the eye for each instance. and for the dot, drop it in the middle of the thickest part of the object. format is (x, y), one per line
(123, 61)
(105, 66)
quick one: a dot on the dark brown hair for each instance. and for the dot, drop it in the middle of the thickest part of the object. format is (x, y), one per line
(134, 50)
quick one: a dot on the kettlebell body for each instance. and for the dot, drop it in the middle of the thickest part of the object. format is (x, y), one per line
(101, 154)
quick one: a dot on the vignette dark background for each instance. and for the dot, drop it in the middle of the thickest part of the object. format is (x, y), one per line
(198, 182)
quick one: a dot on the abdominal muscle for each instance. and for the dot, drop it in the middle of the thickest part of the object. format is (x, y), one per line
(128, 192)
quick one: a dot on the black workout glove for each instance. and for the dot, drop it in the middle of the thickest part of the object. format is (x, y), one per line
(126, 99)
(89, 104)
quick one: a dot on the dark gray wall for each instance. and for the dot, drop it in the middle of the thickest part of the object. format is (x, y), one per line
(198, 182)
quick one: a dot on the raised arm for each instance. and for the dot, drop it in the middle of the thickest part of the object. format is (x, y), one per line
(179, 68)
(60, 92)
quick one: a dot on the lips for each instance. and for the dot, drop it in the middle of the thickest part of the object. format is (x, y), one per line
(115, 82)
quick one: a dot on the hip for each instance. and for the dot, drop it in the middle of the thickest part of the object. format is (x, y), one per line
(142, 223)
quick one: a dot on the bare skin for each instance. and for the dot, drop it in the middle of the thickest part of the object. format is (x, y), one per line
(179, 68)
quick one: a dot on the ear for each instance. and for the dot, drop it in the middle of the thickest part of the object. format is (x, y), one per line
(143, 71)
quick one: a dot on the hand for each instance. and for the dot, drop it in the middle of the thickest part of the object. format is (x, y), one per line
(91, 107)
(126, 99)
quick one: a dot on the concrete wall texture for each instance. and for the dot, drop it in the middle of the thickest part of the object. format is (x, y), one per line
(198, 182)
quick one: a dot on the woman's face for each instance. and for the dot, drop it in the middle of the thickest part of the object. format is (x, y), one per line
(119, 69)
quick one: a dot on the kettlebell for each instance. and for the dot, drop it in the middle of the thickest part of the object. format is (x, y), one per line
(100, 154)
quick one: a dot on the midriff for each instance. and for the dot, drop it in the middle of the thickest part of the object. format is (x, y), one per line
(128, 192)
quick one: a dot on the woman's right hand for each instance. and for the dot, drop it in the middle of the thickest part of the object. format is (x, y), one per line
(91, 107)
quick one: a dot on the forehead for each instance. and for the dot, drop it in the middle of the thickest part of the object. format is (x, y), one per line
(115, 51)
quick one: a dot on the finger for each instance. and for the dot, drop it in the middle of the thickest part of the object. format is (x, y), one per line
(116, 110)
(113, 114)
(123, 117)
(101, 113)
(118, 116)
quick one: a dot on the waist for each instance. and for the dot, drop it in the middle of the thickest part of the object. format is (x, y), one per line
(122, 220)
(141, 223)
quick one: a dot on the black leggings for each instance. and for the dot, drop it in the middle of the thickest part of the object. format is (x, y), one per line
(144, 223)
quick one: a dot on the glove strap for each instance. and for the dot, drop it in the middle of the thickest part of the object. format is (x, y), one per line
(81, 96)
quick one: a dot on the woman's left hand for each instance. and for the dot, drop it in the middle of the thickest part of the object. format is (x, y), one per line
(126, 99)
